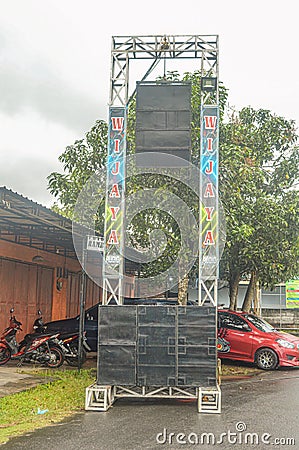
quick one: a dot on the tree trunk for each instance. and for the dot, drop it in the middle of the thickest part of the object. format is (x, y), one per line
(183, 290)
(257, 300)
(251, 289)
(233, 290)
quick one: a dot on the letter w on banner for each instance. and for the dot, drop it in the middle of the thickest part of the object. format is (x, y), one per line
(114, 212)
(209, 233)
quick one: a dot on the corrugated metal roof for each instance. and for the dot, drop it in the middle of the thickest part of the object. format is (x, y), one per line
(29, 223)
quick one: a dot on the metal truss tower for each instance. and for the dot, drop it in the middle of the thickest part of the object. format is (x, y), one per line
(125, 50)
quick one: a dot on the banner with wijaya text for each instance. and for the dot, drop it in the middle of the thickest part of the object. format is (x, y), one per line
(209, 232)
(115, 189)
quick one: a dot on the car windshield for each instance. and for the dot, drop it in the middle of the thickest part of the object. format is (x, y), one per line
(260, 324)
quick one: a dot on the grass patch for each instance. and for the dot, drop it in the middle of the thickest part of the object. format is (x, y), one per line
(62, 397)
(231, 368)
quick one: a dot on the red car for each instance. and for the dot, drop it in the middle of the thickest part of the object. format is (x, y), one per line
(245, 337)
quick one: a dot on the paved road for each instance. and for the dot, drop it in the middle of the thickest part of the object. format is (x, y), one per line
(266, 407)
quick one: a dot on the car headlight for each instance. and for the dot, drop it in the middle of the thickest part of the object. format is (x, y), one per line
(285, 344)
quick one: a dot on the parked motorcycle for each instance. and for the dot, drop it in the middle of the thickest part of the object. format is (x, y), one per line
(69, 342)
(32, 349)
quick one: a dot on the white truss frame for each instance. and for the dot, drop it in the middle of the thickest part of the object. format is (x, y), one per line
(208, 293)
(124, 49)
(101, 398)
(112, 293)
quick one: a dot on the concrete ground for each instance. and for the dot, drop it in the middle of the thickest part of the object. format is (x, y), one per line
(13, 379)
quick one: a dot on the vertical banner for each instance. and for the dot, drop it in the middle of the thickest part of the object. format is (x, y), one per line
(114, 212)
(209, 233)
(292, 294)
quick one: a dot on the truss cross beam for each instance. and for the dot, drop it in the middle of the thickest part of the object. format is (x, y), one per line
(126, 48)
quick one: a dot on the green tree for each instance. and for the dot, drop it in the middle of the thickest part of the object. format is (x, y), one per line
(80, 161)
(258, 168)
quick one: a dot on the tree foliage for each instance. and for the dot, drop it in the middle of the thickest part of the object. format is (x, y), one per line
(258, 168)
(80, 161)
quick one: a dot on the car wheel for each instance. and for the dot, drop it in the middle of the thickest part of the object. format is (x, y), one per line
(266, 359)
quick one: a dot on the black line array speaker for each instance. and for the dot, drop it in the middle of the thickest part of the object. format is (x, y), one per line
(157, 345)
(163, 122)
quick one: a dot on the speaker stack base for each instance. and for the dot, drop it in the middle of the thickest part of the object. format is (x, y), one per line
(101, 398)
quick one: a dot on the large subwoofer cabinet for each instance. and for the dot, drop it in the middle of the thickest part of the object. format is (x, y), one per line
(157, 346)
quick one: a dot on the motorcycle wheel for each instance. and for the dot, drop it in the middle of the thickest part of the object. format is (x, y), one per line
(56, 357)
(5, 355)
(74, 360)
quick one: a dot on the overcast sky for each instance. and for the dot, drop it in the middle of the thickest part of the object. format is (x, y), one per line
(55, 63)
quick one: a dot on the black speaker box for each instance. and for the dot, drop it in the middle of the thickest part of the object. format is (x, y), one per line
(157, 345)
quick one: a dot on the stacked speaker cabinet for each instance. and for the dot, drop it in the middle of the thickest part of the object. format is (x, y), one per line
(157, 346)
(117, 345)
(196, 347)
